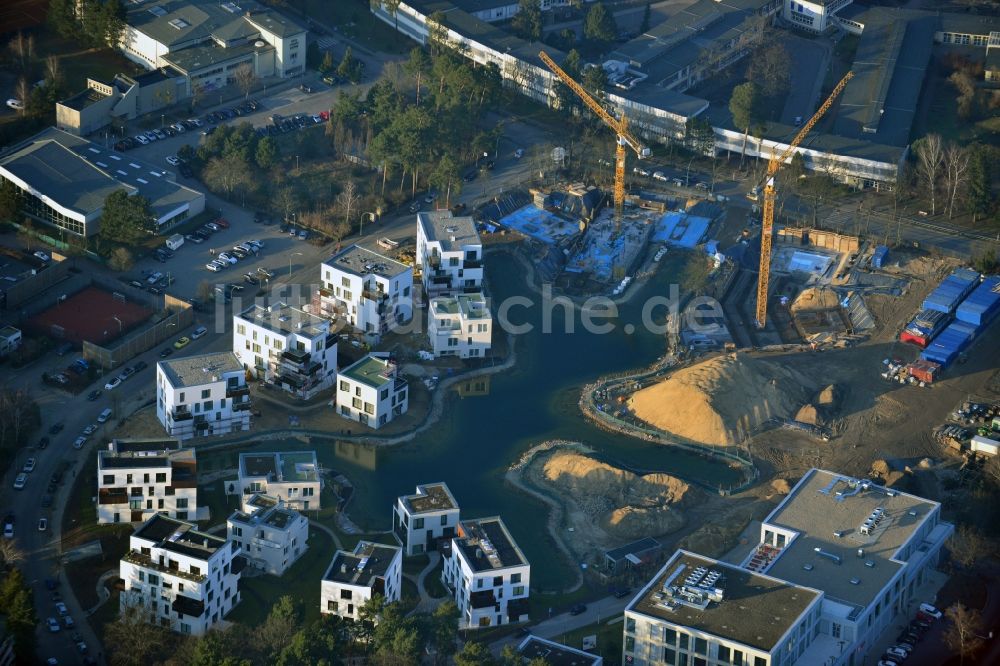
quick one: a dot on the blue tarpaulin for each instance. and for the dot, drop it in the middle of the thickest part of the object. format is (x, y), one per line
(982, 304)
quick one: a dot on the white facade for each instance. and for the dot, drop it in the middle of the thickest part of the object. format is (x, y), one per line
(487, 574)
(139, 477)
(449, 253)
(287, 347)
(812, 15)
(272, 536)
(371, 391)
(202, 395)
(460, 326)
(421, 519)
(368, 290)
(355, 577)
(291, 476)
(180, 578)
(862, 550)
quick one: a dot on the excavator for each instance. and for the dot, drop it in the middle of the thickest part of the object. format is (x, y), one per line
(618, 125)
(770, 195)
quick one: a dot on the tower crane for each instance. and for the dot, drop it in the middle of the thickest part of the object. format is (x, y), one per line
(618, 125)
(767, 223)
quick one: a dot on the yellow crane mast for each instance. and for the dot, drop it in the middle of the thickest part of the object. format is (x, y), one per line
(767, 223)
(618, 125)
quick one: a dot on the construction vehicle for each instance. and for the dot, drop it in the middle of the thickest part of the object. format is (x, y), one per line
(618, 125)
(767, 223)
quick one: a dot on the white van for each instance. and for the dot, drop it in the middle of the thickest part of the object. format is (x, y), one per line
(104, 416)
(175, 241)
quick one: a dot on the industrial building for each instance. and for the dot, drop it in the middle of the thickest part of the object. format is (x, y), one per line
(62, 181)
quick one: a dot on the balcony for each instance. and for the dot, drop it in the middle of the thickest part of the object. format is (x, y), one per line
(145, 561)
(187, 606)
(377, 296)
(112, 496)
(181, 415)
(472, 263)
(483, 599)
(399, 384)
(238, 391)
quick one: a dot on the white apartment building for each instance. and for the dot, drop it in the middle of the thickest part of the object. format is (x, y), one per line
(139, 477)
(207, 40)
(487, 574)
(842, 559)
(182, 579)
(291, 476)
(421, 519)
(460, 326)
(449, 253)
(271, 535)
(202, 395)
(370, 291)
(355, 577)
(371, 391)
(812, 15)
(287, 347)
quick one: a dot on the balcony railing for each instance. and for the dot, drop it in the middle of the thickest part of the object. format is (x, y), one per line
(181, 415)
(376, 296)
(238, 391)
(137, 558)
(472, 263)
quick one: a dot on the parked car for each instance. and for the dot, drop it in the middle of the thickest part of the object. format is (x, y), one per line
(173, 160)
(578, 609)
(94, 395)
(141, 365)
(213, 266)
(165, 352)
(38, 254)
(194, 239)
(519, 153)
(79, 442)
(198, 332)
(930, 610)
(29, 466)
(659, 175)
(61, 609)
(90, 429)
(15, 104)
(112, 384)
(42, 443)
(43, 524)
(68, 620)
(222, 222)
(20, 481)
(182, 342)
(53, 625)
(56, 428)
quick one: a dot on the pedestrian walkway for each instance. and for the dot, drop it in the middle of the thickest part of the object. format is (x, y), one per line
(102, 591)
(427, 602)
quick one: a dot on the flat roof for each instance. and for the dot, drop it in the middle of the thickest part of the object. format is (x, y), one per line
(284, 319)
(486, 544)
(889, 69)
(195, 58)
(370, 370)
(824, 504)
(79, 174)
(199, 370)
(83, 99)
(280, 467)
(362, 261)
(452, 232)
(173, 22)
(367, 563)
(470, 306)
(179, 536)
(269, 511)
(554, 654)
(62, 175)
(144, 445)
(139, 453)
(430, 497)
(755, 610)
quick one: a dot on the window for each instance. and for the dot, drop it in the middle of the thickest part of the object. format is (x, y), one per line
(630, 644)
(738, 657)
(759, 661)
(497, 581)
(835, 630)
(444, 521)
(154, 579)
(670, 636)
(518, 590)
(344, 386)
(109, 479)
(684, 641)
(241, 329)
(670, 656)
(195, 571)
(206, 393)
(514, 578)
(724, 653)
(700, 646)
(418, 523)
(345, 594)
(161, 477)
(630, 625)
(369, 408)
(384, 394)
(331, 606)
(128, 479)
(294, 44)
(182, 502)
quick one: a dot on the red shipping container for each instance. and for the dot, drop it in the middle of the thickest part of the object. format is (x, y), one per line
(924, 371)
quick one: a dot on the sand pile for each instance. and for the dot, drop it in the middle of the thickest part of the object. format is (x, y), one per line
(718, 400)
(815, 298)
(624, 504)
(820, 410)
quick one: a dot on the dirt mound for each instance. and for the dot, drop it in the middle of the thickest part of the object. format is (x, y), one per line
(626, 505)
(781, 486)
(718, 400)
(827, 396)
(807, 414)
(815, 298)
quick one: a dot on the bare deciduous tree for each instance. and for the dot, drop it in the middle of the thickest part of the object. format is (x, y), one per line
(956, 171)
(968, 545)
(930, 155)
(245, 78)
(19, 48)
(962, 633)
(23, 92)
(53, 71)
(347, 199)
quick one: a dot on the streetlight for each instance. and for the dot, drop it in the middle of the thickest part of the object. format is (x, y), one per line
(120, 327)
(296, 162)
(290, 262)
(361, 229)
(162, 116)
(687, 178)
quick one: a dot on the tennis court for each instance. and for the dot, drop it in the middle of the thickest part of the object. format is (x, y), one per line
(93, 314)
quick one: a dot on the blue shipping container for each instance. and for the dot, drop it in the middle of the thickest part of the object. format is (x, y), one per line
(880, 256)
(983, 303)
(952, 290)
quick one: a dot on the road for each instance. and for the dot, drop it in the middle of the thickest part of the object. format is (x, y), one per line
(553, 628)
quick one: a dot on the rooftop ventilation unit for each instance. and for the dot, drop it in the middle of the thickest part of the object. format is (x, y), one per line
(830, 556)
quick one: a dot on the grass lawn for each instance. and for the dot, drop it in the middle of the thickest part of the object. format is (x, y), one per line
(301, 582)
(433, 584)
(354, 19)
(412, 566)
(609, 640)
